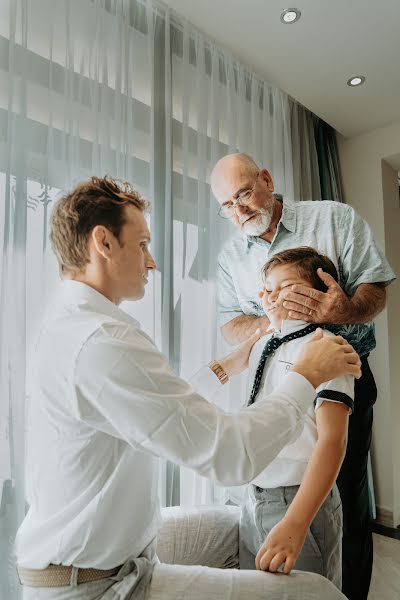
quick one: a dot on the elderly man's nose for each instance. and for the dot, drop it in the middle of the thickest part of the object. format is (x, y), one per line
(241, 209)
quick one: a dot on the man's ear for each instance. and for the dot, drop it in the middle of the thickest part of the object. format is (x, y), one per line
(266, 176)
(102, 240)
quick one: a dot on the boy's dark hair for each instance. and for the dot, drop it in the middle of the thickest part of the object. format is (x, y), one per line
(307, 260)
(98, 201)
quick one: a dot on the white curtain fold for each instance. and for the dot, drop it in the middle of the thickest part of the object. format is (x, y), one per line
(125, 88)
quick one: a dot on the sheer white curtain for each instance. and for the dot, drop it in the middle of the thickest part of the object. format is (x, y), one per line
(218, 106)
(76, 98)
(129, 89)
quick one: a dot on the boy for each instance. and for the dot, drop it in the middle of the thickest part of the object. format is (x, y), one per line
(292, 516)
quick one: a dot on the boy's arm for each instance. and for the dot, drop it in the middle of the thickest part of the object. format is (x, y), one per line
(285, 541)
(240, 328)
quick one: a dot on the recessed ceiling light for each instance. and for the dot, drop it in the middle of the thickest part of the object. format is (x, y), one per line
(355, 81)
(290, 15)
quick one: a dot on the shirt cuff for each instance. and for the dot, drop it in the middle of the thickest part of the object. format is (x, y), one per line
(205, 382)
(298, 389)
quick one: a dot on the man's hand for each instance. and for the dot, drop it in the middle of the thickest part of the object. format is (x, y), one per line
(324, 358)
(313, 306)
(282, 546)
(238, 360)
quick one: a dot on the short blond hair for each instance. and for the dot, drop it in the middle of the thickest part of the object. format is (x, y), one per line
(97, 201)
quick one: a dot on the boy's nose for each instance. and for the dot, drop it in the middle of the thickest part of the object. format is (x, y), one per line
(273, 296)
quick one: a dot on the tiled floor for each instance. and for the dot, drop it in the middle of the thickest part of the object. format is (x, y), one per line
(385, 583)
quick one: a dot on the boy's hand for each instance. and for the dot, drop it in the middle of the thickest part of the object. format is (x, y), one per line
(281, 547)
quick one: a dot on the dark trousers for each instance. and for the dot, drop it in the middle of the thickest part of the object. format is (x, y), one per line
(353, 486)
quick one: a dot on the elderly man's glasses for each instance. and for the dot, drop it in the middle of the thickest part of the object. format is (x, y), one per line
(242, 199)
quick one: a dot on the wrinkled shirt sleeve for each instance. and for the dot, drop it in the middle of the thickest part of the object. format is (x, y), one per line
(228, 306)
(361, 259)
(125, 388)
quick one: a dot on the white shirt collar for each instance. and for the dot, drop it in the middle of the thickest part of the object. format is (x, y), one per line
(77, 293)
(289, 326)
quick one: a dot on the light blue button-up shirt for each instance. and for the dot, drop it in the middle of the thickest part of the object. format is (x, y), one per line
(335, 230)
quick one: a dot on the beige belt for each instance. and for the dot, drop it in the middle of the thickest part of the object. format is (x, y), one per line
(60, 576)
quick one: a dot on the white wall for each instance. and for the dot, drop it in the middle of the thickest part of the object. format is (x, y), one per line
(391, 202)
(369, 173)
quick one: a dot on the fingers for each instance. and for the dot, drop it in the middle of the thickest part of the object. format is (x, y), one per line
(278, 560)
(355, 370)
(348, 349)
(272, 560)
(299, 316)
(352, 358)
(299, 303)
(297, 308)
(326, 278)
(265, 558)
(317, 335)
(302, 294)
(265, 554)
(289, 564)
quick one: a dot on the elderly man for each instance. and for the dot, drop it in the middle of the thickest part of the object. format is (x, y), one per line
(267, 226)
(105, 405)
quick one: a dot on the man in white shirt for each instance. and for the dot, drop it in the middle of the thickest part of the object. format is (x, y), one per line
(105, 405)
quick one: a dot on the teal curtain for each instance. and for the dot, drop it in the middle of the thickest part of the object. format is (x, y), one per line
(328, 161)
(316, 165)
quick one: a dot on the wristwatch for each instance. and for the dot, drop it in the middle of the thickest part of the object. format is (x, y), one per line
(219, 371)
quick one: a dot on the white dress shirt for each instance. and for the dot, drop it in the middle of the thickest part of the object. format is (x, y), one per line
(104, 406)
(289, 466)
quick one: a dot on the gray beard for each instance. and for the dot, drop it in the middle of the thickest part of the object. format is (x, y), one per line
(260, 223)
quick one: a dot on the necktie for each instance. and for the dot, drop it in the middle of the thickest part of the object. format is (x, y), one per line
(269, 348)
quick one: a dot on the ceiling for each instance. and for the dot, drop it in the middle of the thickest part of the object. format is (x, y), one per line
(311, 60)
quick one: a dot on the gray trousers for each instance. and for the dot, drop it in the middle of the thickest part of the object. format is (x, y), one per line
(198, 548)
(322, 550)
